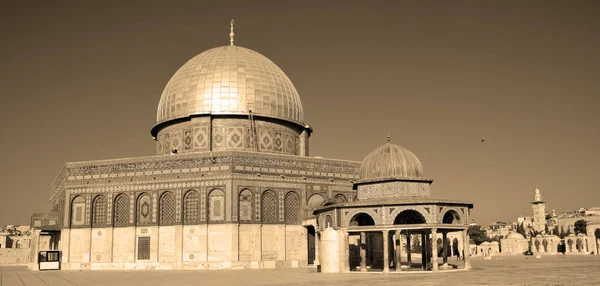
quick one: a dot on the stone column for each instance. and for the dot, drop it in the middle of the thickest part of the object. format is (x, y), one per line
(466, 249)
(346, 259)
(317, 242)
(398, 263)
(408, 254)
(386, 251)
(434, 255)
(423, 251)
(363, 252)
(444, 248)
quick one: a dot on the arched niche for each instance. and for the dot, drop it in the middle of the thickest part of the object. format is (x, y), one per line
(361, 219)
(409, 217)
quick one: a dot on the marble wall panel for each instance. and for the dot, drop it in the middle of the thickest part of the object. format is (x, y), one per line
(79, 246)
(220, 242)
(194, 243)
(273, 242)
(249, 235)
(101, 244)
(123, 244)
(167, 244)
(295, 242)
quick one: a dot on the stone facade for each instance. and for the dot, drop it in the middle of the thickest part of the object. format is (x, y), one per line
(194, 211)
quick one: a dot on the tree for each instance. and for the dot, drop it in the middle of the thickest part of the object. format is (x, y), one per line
(580, 226)
(477, 234)
(564, 233)
(521, 230)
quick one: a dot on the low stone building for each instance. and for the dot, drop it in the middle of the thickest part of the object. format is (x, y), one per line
(488, 249)
(514, 244)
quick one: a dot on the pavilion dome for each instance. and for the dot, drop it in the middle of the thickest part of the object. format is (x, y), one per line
(390, 161)
(230, 80)
(515, 235)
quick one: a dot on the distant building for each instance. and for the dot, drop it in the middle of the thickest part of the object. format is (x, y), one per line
(539, 212)
(544, 232)
(514, 244)
(501, 229)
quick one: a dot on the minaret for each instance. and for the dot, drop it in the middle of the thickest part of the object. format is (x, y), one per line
(539, 212)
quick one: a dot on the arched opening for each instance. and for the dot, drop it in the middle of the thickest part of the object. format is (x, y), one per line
(143, 210)
(121, 210)
(77, 211)
(570, 245)
(409, 217)
(216, 206)
(451, 217)
(537, 246)
(361, 219)
(269, 207)
(190, 207)
(99, 211)
(245, 206)
(167, 209)
(292, 208)
(579, 245)
(545, 245)
(455, 247)
(314, 202)
(328, 221)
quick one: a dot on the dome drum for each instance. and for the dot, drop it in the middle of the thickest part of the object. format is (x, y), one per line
(393, 188)
(230, 132)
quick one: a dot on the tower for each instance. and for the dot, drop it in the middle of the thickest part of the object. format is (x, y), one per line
(539, 212)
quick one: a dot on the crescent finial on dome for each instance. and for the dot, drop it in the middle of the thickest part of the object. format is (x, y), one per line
(231, 34)
(389, 135)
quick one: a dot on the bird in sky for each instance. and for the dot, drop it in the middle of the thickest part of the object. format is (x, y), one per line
(482, 140)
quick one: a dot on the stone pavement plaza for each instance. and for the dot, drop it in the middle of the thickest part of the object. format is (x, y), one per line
(551, 270)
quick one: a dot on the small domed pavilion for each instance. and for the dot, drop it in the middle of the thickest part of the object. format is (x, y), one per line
(392, 219)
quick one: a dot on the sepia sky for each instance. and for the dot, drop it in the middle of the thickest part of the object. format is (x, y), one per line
(81, 80)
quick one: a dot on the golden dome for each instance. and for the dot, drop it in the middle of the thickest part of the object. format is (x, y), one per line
(230, 80)
(390, 161)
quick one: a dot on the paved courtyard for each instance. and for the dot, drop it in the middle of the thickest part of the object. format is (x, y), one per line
(552, 270)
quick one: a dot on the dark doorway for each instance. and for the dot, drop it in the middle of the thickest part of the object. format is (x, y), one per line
(310, 231)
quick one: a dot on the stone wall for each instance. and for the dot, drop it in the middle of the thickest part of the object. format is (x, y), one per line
(14, 256)
(204, 246)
